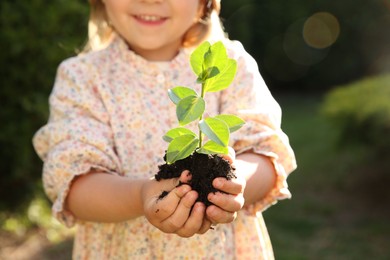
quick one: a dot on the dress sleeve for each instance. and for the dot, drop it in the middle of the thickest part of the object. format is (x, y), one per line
(250, 98)
(77, 138)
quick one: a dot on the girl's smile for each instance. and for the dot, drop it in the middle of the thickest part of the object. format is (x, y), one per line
(153, 29)
(150, 19)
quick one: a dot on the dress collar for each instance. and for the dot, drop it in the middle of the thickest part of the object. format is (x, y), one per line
(120, 50)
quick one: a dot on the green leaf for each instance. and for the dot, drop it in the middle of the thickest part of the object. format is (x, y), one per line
(211, 147)
(216, 57)
(208, 74)
(176, 132)
(178, 93)
(215, 71)
(218, 69)
(216, 130)
(181, 147)
(234, 122)
(223, 79)
(197, 57)
(190, 109)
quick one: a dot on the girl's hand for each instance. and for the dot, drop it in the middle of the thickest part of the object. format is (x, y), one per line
(230, 200)
(177, 212)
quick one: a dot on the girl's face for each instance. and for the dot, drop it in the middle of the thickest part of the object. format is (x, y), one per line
(153, 29)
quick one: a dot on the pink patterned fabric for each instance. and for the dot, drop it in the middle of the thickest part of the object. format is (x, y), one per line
(109, 111)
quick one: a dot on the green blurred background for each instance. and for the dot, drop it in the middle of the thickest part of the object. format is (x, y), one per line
(326, 62)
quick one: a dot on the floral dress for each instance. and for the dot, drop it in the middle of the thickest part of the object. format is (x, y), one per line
(108, 112)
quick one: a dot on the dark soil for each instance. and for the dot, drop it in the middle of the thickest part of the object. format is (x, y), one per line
(203, 169)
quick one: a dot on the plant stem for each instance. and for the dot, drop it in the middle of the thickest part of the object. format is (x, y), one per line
(201, 117)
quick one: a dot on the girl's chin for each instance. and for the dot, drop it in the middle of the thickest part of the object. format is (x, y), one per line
(155, 52)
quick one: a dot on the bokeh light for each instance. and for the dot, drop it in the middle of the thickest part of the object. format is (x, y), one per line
(296, 48)
(321, 30)
(305, 43)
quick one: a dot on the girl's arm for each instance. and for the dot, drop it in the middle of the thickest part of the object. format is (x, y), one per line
(257, 171)
(101, 197)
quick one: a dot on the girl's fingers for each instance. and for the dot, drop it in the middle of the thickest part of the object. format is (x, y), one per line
(233, 186)
(180, 215)
(206, 225)
(166, 203)
(194, 222)
(227, 202)
(185, 176)
(218, 215)
(166, 206)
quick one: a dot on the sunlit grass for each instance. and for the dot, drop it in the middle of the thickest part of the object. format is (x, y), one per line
(325, 219)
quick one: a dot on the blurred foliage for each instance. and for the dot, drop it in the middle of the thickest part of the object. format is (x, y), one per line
(38, 216)
(35, 36)
(273, 32)
(362, 112)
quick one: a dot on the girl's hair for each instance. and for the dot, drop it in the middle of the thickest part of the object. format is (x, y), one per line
(101, 33)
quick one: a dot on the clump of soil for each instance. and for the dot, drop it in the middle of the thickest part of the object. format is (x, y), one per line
(203, 169)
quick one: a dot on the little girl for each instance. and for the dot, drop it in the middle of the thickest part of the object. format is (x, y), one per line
(103, 142)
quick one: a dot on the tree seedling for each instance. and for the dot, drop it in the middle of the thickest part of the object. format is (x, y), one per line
(215, 71)
(188, 150)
